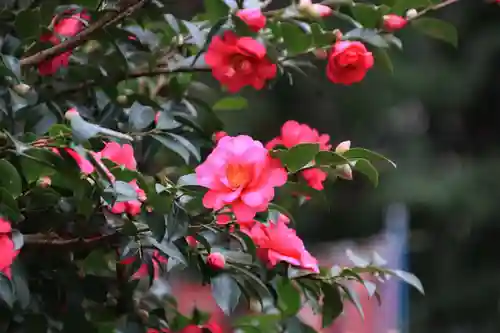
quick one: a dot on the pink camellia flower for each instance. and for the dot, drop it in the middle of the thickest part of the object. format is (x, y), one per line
(314, 9)
(225, 218)
(191, 241)
(44, 181)
(237, 62)
(253, 17)
(241, 174)
(132, 207)
(7, 250)
(216, 260)
(277, 242)
(343, 147)
(142, 272)
(64, 27)
(294, 133)
(122, 155)
(85, 166)
(348, 62)
(394, 22)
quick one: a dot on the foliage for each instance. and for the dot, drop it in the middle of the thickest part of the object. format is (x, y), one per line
(104, 127)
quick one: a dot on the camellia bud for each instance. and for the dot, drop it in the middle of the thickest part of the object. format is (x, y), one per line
(345, 171)
(343, 147)
(314, 9)
(219, 135)
(191, 241)
(21, 89)
(394, 22)
(216, 260)
(122, 99)
(321, 54)
(71, 113)
(411, 13)
(44, 182)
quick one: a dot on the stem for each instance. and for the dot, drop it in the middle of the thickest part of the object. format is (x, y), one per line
(432, 8)
(82, 37)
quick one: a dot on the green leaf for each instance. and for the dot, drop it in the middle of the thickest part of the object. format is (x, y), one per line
(174, 146)
(401, 6)
(289, 300)
(332, 304)
(10, 179)
(141, 116)
(28, 23)
(367, 14)
(264, 322)
(369, 36)
(356, 260)
(355, 153)
(8, 206)
(330, 158)
(226, 292)
(216, 9)
(409, 278)
(383, 60)
(295, 39)
(92, 4)
(230, 103)
(366, 168)
(353, 297)
(299, 156)
(7, 295)
(437, 29)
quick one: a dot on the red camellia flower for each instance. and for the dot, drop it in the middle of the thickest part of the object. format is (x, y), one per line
(7, 250)
(348, 62)
(294, 133)
(239, 61)
(394, 22)
(253, 18)
(64, 27)
(142, 272)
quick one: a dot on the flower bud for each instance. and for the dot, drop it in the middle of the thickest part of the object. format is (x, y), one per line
(192, 242)
(314, 10)
(216, 260)
(394, 22)
(411, 13)
(343, 147)
(21, 89)
(320, 54)
(122, 99)
(345, 171)
(44, 182)
(219, 135)
(71, 113)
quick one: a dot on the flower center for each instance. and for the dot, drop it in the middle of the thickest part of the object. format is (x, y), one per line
(237, 175)
(241, 65)
(348, 59)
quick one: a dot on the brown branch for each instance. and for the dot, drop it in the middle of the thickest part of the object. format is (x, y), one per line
(432, 8)
(44, 239)
(83, 36)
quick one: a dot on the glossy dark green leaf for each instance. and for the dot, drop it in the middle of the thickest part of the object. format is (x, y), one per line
(330, 158)
(409, 278)
(296, 40)
(10, 179)
(289, 300)
(230, 103)
(28, 23)
(332, 304)
(8, 206)
(369, 36)
(401, 6)
(299, 156)
(216, 9)
(383, 60)
(366, 168)
(226, 292)
(355, 153)
(367, 14)
(7, 293)
(141, 116)
(174, 146)
(263, 322)
(437, 29)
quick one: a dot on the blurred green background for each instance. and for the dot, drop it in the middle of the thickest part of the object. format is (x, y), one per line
(438, 118)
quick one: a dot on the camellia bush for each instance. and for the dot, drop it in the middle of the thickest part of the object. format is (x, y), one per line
(115, 171)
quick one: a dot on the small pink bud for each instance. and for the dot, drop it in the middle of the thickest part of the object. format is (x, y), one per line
(343, 147)
(411, 13)
(320, 54)
(394, 22)
(219, 135)
(345, 171)
(157, 117)
(191, 241)
(314, 9)
(216, 260)
(44, 182)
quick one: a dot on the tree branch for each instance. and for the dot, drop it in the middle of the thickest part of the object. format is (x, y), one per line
(44, 239)
(83, 36)
(434, 7)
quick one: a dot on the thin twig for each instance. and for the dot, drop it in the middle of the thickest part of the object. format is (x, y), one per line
(82, 37)
(432, 8)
